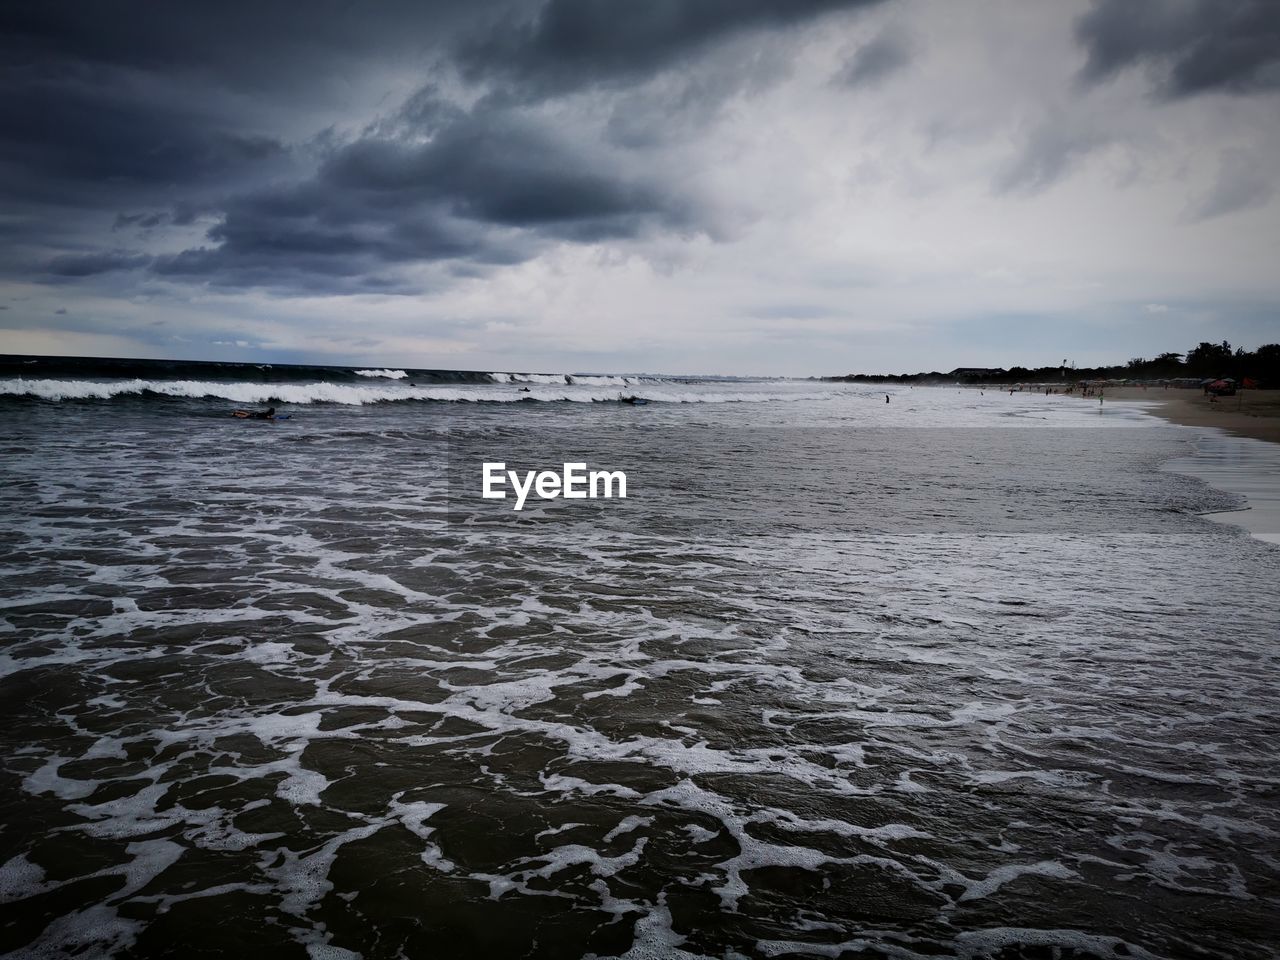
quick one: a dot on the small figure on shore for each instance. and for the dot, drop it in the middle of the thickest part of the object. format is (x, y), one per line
(886, 398)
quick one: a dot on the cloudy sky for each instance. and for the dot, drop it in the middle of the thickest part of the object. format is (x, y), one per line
(724, 186)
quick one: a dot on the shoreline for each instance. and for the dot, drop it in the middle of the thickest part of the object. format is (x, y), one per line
(1251, 413)
(1238, 449)
(1244, 466)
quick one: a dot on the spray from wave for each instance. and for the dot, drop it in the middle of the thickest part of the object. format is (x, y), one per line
(385, 374)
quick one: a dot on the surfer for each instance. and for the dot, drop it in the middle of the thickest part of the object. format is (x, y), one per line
(270, 414)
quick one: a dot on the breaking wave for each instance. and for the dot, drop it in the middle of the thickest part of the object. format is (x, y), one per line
(580, 391)
(570, 379)
(386, 374)
(557, 378)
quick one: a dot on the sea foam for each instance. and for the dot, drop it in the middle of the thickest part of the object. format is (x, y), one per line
(363, 394)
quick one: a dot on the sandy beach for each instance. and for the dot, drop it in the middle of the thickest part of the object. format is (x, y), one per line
(1251, 413)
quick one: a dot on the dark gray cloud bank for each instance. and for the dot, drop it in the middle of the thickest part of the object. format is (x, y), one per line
(273, 151)
(1190, 46)
(155, 118)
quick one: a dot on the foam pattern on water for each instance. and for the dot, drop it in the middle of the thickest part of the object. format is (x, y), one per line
(253, 684)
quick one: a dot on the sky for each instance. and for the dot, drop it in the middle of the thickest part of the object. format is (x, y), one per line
(779, 187)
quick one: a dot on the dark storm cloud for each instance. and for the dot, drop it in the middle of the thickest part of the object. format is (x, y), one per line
(87, 137)
(492, 189)
(1194, 46)
(876, 60)
(151, 118)
(567, 44)
(252, 45)
(117, 129)
(85, 265)
(505, 172)
(99, 102)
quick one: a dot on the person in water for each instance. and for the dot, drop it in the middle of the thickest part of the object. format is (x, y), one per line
(269, 415)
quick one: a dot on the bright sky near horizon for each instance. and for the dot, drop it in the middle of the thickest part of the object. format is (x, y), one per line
(722, 186)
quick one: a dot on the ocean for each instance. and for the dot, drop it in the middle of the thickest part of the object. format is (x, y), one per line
(966, 673)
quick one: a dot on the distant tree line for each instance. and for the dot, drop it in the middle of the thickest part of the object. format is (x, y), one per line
(1205, 360)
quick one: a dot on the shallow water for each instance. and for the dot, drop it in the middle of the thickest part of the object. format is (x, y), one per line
(1244, 467)
(960, 674)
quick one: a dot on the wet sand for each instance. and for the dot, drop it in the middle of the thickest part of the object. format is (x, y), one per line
(1251, 413)
(1247, 469)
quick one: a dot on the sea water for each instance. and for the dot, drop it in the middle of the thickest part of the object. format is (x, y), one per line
(961, 674)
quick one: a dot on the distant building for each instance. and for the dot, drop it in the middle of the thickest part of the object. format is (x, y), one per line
(965, 372)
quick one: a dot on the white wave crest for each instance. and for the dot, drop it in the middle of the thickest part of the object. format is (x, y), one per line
(362, 394)
(387, 374)
(548, 378)
(569, 379)
(600, 381)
